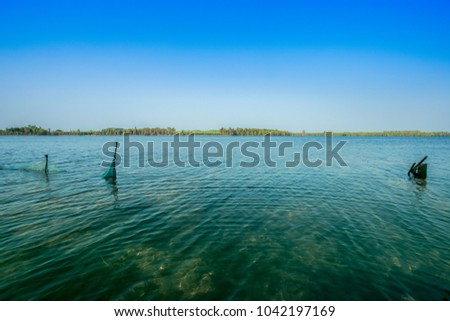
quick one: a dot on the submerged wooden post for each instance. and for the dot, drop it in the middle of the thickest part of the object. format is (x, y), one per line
(419, 170)
(46, 164)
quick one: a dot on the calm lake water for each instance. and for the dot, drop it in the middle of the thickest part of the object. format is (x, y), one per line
(361, 232)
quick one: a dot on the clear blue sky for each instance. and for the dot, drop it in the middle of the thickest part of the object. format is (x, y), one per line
(294, 65)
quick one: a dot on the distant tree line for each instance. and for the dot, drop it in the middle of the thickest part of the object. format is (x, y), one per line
(394, 133)
(30, 130)
(33, 130)
(254, 132)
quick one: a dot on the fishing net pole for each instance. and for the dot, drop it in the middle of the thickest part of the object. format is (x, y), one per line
(41, 166)
(110, 173)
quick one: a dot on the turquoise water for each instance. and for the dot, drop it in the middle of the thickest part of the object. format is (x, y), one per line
(361, 232)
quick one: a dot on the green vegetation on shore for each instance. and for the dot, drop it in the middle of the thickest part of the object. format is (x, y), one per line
(33, 130)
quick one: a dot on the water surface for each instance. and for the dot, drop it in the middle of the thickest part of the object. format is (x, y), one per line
(361, 232)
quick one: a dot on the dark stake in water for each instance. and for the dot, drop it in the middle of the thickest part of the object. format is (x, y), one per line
(362, 232)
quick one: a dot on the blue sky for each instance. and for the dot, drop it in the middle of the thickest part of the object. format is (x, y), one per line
(294, 65)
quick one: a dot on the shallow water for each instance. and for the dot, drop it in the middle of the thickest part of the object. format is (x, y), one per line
(361, 232)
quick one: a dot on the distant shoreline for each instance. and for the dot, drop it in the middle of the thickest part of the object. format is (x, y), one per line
(156, 131)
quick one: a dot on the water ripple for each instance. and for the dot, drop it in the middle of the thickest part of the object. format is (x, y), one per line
(362, 232)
